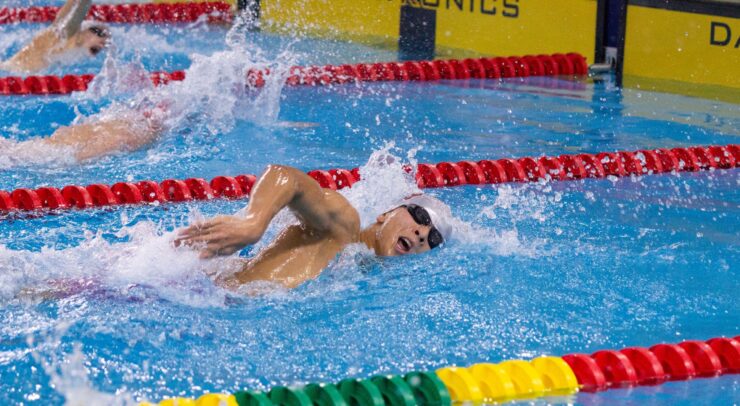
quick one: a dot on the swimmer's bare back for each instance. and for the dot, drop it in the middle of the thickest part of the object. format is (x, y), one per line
(328, 222)
(52, 41)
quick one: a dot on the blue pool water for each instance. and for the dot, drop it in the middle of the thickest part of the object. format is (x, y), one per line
(98, 305)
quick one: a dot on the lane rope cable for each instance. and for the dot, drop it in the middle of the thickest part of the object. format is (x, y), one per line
(451, 69)
(134, 13)
(443, 174)
(505, 381)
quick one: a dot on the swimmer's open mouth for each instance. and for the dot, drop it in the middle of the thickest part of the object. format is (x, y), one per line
(403, 245)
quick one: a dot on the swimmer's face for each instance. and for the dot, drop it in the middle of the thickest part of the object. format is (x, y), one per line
(94, 39)
(401, 233)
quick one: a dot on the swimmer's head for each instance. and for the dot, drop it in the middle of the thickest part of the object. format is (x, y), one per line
(93, 37)
(416, 226)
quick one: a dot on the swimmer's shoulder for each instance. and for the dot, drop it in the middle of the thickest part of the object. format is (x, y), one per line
(345, 215)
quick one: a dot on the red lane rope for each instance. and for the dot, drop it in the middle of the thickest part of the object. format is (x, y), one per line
(127, 13)
(481, 68)
(609, 369)
(444, 174)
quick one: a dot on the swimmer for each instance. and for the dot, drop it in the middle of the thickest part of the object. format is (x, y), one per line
(100, 135)
(327, 223)
(68, 37)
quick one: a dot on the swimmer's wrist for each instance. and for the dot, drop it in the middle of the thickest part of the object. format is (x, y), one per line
(252, 229)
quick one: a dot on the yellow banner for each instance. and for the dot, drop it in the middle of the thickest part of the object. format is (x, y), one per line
(355, 19)
(681, 46)
(514, 27)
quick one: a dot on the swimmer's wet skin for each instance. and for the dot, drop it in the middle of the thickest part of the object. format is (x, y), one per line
(328, 222)
(67, 37)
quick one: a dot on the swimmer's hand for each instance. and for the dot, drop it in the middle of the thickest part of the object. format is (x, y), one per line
(222, 235)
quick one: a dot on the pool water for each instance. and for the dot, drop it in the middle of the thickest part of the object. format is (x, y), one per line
(97, 305)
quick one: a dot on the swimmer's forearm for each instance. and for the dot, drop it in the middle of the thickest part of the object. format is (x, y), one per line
(71, 15)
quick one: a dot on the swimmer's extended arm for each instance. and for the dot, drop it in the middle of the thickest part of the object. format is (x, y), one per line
(70, 16)
(323, 211)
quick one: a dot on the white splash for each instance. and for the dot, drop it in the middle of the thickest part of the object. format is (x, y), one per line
(147, 259)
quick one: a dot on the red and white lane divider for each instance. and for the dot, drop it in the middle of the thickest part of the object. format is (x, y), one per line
(480, 68)
(184, 12)
(444, 174)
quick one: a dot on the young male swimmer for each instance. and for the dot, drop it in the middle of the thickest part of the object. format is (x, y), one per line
(68, 37)
(327, 223)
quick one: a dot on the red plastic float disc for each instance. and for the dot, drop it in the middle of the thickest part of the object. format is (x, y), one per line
(722, 157)
(6, 202)
(473, 173)
(126, 193)
(26, 199)
(51, 198)
(650, 160)
(647, 366)
(445, 69)
(667, 159)
(505, 67)
(414, 71)
(612, 164)
(553, 167)
(703, 157)
(77, 196)
(226, 186)
(632, 165)
(151, 191)
(246, 182)
(728, 351)
(495, 173)
(199, 188)
(514, 171)
(176, 190)
(452, 174)
(735, 151)
(36, 85)
(492, 69)
(580, 65)
(533, 170)
(324, 178)
(592, 165)
(429, 176)
(675, 361)
(565, 66)
(573, 166)
(536, 68)
(617, 368)
(551, 67)
(342, 177)
(706, 362)
(397, 72)
(430, 70)
(101, 195)
(686, 159)
(587, 372)
(461, 71)
(520, 66)
(475, 68)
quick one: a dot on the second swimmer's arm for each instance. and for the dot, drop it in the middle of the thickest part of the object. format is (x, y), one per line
(70, 16)
(279, 187)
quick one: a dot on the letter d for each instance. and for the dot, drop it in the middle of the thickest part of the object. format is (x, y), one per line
(714, 38)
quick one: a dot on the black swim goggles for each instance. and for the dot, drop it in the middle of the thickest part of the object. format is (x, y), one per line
(421, 217)
(99, 31)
